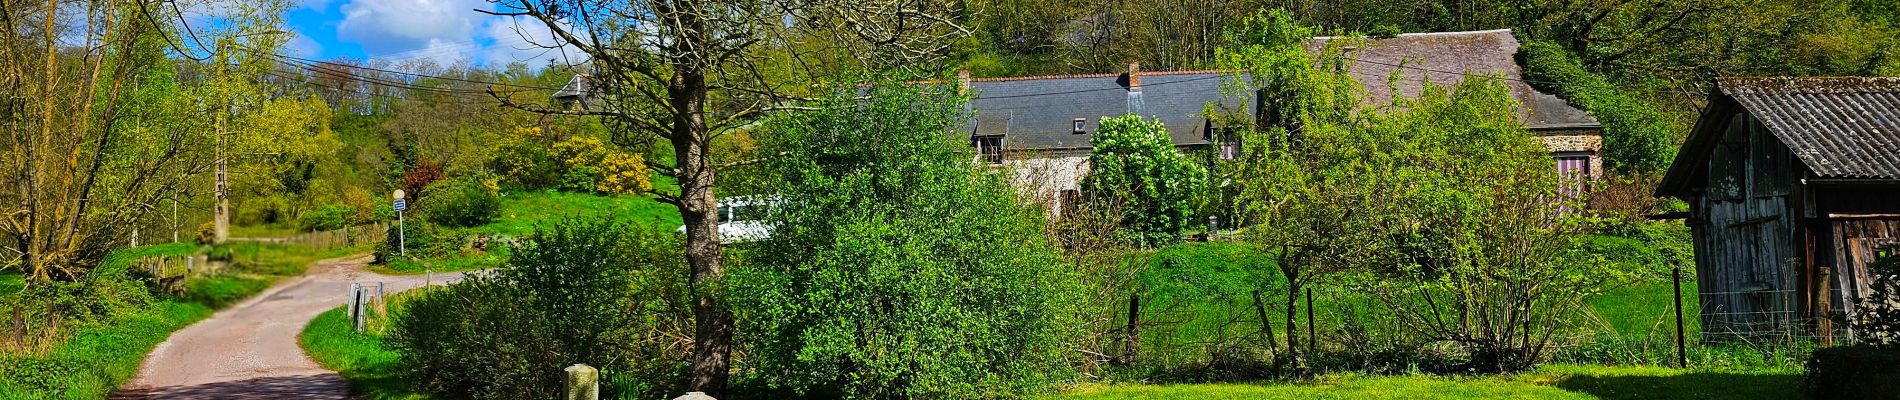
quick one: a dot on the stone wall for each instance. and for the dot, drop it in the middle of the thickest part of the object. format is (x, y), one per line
(1042, 178)
(1577, 141)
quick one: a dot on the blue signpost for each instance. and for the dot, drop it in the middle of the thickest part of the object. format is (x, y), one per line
(402, 235)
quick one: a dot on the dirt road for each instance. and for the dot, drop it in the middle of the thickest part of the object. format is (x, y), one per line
(250, 351)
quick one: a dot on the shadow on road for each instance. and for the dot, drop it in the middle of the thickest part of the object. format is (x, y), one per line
(271, 388)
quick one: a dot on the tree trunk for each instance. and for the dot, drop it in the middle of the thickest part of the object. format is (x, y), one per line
(1292, 316)
(712, 321)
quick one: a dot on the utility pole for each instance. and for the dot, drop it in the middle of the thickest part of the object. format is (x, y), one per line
(222, 226)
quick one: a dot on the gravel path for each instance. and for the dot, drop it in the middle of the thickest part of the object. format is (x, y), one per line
(250, 351)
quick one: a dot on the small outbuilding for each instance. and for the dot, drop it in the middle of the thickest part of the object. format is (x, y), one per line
(1793, 186)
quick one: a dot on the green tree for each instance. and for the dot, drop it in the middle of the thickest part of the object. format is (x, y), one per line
(897, 268)
(1136, 169)
(1478, 249)
(1310, 185)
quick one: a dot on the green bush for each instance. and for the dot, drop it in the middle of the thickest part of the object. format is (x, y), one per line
(1854, 372)
(602, 294)
(423, 240)
(938, 283)
(524, 162)
(1137, 170)
(581, 179)
(1637, 137)
(261, 210)
(329, 217)
(461, 202)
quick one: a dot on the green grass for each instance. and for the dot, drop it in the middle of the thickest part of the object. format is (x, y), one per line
(468, 261)
(522, 212)
(1550, 382)
(101, 356)
(95, 362)
(11, 281)
(1646, 309)
(360, 358)
(279, 259)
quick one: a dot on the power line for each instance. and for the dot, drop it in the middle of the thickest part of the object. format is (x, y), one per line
(305, 81)
(310, 61)
(380, 82)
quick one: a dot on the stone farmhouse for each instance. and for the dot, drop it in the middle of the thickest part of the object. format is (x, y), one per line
(1041, 125)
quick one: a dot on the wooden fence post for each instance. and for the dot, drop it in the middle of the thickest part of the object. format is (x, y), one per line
(1824, 307)
(1312, 335)
(1132, 342)
(1682, 349)
(583, 382)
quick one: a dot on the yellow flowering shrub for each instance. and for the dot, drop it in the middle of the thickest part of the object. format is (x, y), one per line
(624, 173)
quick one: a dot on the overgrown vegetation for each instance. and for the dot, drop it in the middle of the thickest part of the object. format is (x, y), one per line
(936, 284)
(87, 355)
(362, 358)
(1637, 137)
(596, 293)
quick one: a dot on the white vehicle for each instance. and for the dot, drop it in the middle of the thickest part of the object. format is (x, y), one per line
(742, 218)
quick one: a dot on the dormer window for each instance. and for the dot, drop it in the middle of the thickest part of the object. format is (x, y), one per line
(1076, 126)
(989, 148)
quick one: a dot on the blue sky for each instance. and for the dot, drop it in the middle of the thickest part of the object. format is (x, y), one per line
(444, 31)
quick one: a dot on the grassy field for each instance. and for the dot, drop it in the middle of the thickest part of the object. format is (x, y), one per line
(1549, 382)
(522, 212)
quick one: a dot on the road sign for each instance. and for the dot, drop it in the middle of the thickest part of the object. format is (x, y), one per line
(402, 205)
(399, 194)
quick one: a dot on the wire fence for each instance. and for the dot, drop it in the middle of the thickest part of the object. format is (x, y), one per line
(325, 240)
(1346, 329)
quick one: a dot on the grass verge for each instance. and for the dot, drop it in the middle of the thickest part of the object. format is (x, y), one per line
(1549, 382)
(360, 358)
(100, 356)
(95, 362)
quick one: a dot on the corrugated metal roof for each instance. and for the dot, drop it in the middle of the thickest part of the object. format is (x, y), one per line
(1839, 127)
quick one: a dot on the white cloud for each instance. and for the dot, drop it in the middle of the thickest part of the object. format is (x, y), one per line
(525, 40)
(303, 46)
(442, 30)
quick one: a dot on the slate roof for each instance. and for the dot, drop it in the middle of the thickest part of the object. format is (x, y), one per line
(1446, 58)
(1037, 112)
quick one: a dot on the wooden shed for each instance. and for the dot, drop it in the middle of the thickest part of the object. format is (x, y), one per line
(1793, 186)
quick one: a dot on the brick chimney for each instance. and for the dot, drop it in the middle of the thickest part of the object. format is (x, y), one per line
(1134, 77)
(963, 81)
